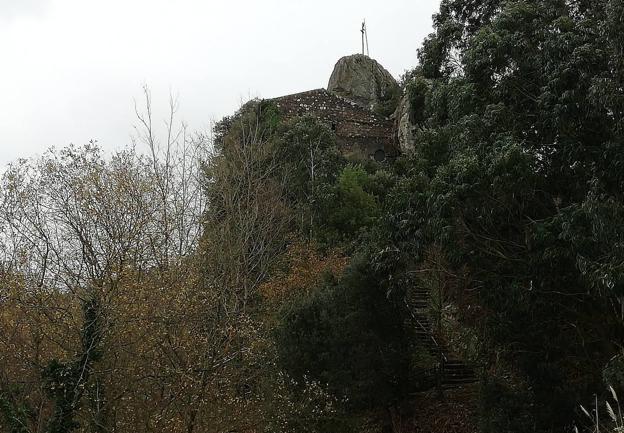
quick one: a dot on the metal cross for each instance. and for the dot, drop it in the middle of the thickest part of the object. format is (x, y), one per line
(364, 39)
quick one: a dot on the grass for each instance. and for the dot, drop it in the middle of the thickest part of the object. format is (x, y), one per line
(612, 423)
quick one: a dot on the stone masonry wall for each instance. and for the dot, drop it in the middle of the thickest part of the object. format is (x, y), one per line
(358, 131)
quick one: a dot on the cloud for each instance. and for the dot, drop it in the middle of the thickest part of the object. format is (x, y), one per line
(71, 68)
(11, 9)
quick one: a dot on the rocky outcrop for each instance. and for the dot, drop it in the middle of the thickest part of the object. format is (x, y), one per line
(364, 81)
(404, 126)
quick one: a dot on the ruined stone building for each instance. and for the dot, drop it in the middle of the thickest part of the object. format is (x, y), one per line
(359, 93)
(359, 132)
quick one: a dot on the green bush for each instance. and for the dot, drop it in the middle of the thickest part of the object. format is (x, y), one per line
(347, 207)
(349, 335)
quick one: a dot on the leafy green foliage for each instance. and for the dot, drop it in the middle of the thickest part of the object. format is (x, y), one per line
(14, 412)
(504, 400)
(387, 106)
(614, 372)
(66, 382)
(347, 207)
(518, 106)
(516, 179)
(310, 163)
(348, 334)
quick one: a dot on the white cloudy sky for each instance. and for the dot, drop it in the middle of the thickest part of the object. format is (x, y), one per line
(70, 69)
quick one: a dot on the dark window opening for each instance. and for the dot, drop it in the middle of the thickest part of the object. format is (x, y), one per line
(379, 155)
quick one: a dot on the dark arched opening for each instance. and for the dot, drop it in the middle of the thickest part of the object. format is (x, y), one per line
(379, 155)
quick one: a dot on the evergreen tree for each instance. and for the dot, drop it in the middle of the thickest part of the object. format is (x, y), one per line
(517, 176)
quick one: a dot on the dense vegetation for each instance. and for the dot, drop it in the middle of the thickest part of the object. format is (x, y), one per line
(255, 282)
(518, 180)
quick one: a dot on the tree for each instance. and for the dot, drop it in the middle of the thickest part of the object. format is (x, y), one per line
(516, 138)
(348, 334)
(310, 162)
(84, 237)
(248, 217)
(347, 207)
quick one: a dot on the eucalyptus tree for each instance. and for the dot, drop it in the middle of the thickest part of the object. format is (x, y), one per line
(517, 176)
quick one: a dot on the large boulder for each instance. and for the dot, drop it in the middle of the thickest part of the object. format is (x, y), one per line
(364, 81)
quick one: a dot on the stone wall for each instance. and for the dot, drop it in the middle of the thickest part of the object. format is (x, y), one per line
(359, 132)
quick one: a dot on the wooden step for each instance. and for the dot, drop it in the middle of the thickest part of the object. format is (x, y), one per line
(458, 373)
(421, 334)
(458, 382)
(419, 295)
(458, 366)
(458, 379)
(417, 298)
(422, 324)
(458, 369)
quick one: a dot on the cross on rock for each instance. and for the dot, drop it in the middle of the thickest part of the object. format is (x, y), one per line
(364, 39)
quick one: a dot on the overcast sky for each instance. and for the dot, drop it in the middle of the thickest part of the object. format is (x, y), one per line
(70, 69)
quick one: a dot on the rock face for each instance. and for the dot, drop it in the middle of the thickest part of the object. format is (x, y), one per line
(362, 80)
(404, 127)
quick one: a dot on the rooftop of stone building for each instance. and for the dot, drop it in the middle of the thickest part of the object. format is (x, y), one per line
(325, 105)
(360, 93)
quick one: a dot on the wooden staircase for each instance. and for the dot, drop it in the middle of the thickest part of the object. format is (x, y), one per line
(450, 372)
